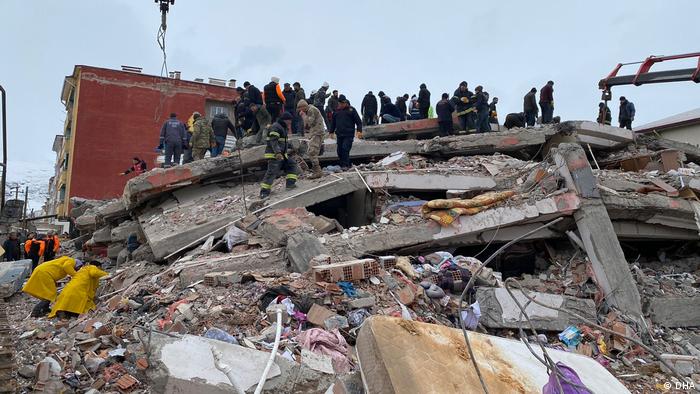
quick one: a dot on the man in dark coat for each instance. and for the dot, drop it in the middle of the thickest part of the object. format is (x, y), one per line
(482, 110)
(343, 124)
(444, 110)
(12, 248)
(252, 93)
(369, 109)
(423, 101)
(530, 107)
(173, 139)
(515, 120)
(274, 99)
(401, 106)
(627, 112)
(221, 125)
(463, 103)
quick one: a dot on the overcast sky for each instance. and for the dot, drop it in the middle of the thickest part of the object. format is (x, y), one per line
(360, 45)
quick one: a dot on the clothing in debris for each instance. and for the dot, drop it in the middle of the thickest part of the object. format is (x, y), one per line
(42, 282)
(78, 295)
(515, 120)
(278, 161)
(202, 138)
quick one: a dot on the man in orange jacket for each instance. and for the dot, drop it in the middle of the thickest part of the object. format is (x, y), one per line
(52, 245)
(34, 249)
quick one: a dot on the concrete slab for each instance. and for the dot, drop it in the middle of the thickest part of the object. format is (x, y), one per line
(12, 276)
(498, 310)
(675, 311)
(399, 356)
(198, 374)
(428, 181)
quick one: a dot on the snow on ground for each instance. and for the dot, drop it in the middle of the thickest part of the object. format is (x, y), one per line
(35, 174)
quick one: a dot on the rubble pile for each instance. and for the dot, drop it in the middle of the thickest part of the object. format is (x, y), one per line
(202, 270)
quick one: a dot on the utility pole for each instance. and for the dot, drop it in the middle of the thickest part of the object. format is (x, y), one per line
(4, 147)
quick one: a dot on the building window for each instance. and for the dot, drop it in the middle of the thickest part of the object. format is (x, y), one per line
(214, 108)
(62, 193)
(65, 162)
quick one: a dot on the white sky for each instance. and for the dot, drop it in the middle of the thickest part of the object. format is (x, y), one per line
(360, 45)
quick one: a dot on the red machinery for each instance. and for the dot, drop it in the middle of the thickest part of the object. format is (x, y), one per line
(644, 76)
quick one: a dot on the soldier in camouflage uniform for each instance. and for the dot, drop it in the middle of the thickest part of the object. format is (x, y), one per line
(276, 155)
(202, 137)
(313, 127)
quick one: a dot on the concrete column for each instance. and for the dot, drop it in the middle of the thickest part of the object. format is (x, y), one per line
(597, 232)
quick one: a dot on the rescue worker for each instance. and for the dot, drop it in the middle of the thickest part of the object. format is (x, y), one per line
(276, 155)
(547, 102)
(138, 167)
(515, 120)
(172, 140)
(261, 124)
(42, 282)
(290, 103)
(77, 297)
(493, 114)
(530, 107)
(402, 106)
(390, 113)
(13, 252)
(53, 244)
(444, 111)
(627, 113)
(221, 125)
(34, 249)
(313, 127)
(202, 137)
(369, 109)
(332, 103)
(320, 98)
(273, 98)
(252, 93)
(462, 101)
(187, 150)
(604, 114)
(345, 120)
(482, 110)
(299, 94)
(424, 101)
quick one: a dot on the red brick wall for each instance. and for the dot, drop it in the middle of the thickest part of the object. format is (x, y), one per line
(119, 117)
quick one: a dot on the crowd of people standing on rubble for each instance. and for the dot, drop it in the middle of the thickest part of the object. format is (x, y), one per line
(270, 115)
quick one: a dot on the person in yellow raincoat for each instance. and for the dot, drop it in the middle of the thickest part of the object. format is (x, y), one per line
(78, 295)
(42, 283)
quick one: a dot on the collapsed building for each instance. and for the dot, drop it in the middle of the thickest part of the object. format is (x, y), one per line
(372, 263)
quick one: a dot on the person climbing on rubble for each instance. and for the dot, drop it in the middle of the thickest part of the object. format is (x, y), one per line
(627, 113)
(13, 251)
(261, 124)
(276, 155)
(313, 127)
(515, 120)
(369, 109)
(604, 114)
(42, 282)
(530, 107)
(77, 297)
(482, 110)
(34, 249)
(138, 167)
(221, 124)
(444, 111)
(172, 140)
(202, 137)
(53, 244)
(343, 125)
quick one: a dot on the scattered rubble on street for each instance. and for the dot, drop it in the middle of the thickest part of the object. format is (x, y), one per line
(366, 267)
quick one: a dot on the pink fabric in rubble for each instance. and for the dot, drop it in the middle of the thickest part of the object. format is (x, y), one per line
(327, 343)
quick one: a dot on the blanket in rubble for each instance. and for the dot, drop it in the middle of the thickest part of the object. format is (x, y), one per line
(447, 211)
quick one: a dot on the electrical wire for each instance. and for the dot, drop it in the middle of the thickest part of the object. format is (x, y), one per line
(160, 38)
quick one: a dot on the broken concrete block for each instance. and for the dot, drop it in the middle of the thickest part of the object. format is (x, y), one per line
(114, 249)
(322, 224)
(86, 222)
(395, 160)
(685, 365)
(301, 248)
(12, 276)
(318, 314)
(499, 310)
(336, 322)
(124, 230)
(675, 311)
(102, 235)
(278, 224)
(112, 210)
(170, 374)
(366, 302)
(390, 350)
